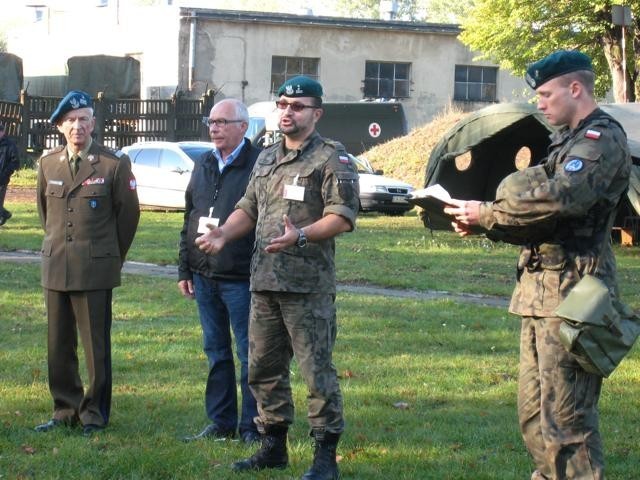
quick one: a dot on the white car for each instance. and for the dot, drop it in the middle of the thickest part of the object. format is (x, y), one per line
(379, 193)
(163, 170)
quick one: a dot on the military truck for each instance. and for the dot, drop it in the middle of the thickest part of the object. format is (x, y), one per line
(357, 125)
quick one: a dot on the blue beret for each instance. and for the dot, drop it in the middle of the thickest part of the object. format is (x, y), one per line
(301, 86)
(556, 64)
(72, 101)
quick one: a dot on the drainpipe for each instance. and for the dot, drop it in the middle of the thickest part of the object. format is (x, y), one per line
(192, 50)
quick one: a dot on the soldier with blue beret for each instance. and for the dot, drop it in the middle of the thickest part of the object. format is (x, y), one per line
(89, 211)
(303, 192)
(73, 100)
(561, 212)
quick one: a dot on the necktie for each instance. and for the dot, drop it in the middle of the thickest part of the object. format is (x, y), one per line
(75, 164)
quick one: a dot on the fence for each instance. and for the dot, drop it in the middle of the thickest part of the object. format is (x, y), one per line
(118, 122)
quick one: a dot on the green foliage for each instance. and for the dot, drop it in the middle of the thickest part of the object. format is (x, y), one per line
(437, 11)
(516, 33)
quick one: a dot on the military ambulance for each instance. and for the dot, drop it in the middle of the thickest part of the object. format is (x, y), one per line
(357, 125)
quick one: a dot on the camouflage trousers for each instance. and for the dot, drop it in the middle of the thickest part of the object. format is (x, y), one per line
(557, 405)
(284, 324)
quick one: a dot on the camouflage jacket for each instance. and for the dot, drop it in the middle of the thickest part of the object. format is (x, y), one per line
(330, 187)
(562, 213)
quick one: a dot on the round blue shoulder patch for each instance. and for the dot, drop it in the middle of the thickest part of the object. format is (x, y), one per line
(574, 165)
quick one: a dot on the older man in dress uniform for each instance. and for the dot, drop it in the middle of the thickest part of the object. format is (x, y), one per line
(89, 210)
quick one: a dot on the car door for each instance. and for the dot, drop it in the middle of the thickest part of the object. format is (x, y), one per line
(175, 172)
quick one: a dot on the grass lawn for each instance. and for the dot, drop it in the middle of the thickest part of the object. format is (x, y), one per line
(429, 386)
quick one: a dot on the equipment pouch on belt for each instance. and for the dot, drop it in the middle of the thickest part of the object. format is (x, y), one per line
(599, 332)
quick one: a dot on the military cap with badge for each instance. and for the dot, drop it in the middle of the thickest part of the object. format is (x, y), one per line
(73, 100)
(301, 86)
(556, 64)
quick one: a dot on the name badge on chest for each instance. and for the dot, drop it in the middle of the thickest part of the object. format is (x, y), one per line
(204, 221)
(294, 192)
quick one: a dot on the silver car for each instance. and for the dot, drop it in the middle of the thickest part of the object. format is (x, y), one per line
(163, 170)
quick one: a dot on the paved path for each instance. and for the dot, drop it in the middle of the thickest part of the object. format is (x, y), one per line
(171, 271)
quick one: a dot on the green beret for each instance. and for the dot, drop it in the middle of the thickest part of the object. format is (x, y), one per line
(73, 100)
(556, 64)
(300, 86)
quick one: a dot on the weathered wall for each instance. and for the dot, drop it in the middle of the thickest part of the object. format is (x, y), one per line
(228, 53)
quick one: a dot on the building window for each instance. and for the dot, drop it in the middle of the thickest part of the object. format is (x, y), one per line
(386, 80)
(475, 84)
(39, 13)
(283, 68)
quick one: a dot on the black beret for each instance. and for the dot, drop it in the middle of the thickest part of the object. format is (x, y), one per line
(556, 64)
(300, 86)
(73, 100)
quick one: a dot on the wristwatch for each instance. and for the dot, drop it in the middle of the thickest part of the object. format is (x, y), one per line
(302, 239)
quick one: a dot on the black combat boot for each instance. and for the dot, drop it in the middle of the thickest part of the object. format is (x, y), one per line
(324, 465)
(271, 454)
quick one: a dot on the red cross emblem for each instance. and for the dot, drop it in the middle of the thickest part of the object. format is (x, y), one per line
(375, 130)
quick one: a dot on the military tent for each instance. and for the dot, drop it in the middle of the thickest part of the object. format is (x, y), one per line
(11, 77)
(117, 77)
(481, 149)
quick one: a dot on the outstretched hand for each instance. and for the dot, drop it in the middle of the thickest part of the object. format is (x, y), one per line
(289, 238)
(212, 241)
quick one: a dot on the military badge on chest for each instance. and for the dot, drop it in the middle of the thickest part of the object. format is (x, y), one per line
(93, 204)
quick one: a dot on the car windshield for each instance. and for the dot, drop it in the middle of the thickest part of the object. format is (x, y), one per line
(361, 164)
(195, 152)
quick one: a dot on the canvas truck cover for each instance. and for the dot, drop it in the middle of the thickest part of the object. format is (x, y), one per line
(117, 77)
(492, 138)
(11, 77)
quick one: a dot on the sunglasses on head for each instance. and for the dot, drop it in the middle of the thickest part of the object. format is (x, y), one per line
(295, 106)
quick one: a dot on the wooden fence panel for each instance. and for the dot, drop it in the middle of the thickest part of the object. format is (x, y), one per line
(119, 122)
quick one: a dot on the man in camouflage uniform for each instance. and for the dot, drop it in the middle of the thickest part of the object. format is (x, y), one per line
(302, 193)
(561, 212)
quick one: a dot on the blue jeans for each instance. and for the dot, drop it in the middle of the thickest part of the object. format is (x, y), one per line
(224, 305)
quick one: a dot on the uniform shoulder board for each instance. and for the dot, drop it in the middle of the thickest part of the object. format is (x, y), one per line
(114, 151)
(49, 151)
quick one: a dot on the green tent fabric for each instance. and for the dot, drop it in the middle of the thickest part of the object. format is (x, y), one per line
(117, 77)
(11, 77)
(493, 136)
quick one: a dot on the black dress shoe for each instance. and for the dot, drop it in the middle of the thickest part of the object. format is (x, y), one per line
(251, 436)
(89, 429)
(52, 424)
(211, 431)
(5, 217)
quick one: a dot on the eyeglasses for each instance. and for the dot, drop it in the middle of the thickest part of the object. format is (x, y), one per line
(218, 122)
(295, 106)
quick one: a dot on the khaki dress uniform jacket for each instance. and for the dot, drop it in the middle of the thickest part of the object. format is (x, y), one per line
(562, 214)
(89, 221)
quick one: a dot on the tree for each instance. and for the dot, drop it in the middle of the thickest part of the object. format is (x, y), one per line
(437, 11)
(514, 33)
(446, 11)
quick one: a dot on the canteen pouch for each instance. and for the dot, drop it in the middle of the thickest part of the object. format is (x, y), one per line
(597, 330)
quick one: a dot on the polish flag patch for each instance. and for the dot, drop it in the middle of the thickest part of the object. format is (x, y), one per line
(592, 134)
(343, 159)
